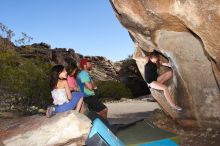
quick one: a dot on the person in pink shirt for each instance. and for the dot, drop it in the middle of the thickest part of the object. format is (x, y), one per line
(72, 82)
(72, 71)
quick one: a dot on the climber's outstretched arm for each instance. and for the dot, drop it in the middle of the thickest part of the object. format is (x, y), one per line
(168, 64)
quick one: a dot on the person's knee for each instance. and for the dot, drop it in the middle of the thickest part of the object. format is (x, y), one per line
(105, 110)
(165, 88)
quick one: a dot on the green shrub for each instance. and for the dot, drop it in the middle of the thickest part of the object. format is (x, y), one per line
(27, 77)
(112, 90)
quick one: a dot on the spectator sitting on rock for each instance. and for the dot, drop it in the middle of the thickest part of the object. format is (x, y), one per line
(72, 71)
(62, 97)
(87, 86)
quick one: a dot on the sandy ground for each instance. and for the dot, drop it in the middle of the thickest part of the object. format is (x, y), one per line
(132, 107)
(128, 111)
(123, 112)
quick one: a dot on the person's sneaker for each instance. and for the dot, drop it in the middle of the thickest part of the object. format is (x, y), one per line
(177, 108)
(50, 111)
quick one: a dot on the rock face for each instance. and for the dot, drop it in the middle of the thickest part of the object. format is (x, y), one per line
(187, 33)
(103, 69)
(69, 128)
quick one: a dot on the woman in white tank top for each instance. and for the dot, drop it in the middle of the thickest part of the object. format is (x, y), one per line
(59, 96)
(62, 97)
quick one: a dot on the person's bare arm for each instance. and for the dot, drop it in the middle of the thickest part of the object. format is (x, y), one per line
(68, 92)
(73, 89)
(90, 86)
(168, 64)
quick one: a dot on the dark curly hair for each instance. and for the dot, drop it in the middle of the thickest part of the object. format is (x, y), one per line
(71, 67)
(156, 54)
(54, 75)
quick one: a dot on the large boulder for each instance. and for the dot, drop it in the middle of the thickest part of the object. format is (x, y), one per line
(69, 128)
(187, 33)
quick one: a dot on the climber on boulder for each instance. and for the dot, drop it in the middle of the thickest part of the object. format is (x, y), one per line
(155, 81)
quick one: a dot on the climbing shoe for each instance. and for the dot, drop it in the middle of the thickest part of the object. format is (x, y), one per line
(177, 108)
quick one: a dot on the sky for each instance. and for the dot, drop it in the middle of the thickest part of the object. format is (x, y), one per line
(90, 27)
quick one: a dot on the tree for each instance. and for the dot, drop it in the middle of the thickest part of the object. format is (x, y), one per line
(6, 32)
(24, 39)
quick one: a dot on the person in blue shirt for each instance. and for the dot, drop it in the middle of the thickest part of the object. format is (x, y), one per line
(87, 86)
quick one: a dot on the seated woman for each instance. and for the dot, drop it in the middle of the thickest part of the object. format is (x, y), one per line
(62, 97)
(72, 71)
(154, 80)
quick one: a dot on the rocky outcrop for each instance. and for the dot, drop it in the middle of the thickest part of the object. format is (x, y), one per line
(103, 69)
(46, 53)
(69, 128)
(187, 33)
